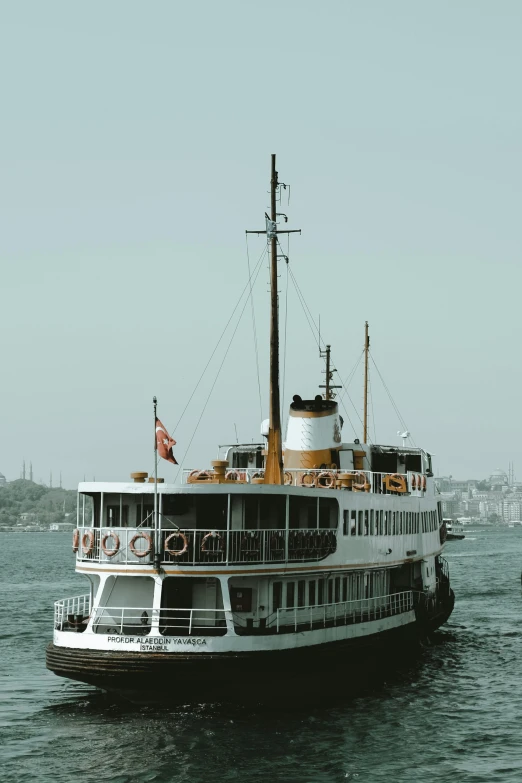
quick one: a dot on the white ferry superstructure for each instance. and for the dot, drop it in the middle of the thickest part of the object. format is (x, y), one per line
(274, 560)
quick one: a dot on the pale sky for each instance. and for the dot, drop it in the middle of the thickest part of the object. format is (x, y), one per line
(135, 143)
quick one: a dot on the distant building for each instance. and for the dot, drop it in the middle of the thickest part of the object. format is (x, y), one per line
(27, 516)
(57, 526)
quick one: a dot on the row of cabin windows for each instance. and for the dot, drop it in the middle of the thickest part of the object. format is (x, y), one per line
(376, 522)
(321, 590)
(247, 512)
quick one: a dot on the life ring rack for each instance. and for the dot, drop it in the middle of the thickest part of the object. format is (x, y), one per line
(326, 479)
(214, 535)
(171, 537)
(88, 543)
(363, 485)
(76, 540)
(140, 552)
(116, 548)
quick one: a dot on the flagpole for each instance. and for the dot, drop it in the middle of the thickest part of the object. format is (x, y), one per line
(156, 525)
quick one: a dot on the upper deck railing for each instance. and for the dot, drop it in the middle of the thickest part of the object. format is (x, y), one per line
(355, 480)
(188, 547)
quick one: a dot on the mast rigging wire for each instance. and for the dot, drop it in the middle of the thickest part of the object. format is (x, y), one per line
(258, 262)
(255, 331)
(257, 269)
(388, 392)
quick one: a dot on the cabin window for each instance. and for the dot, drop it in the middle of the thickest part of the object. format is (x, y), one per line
(345, 588)
(277, 596)
(303, 512)
(328, 513)
(311, 593)
(365, 523)
(337, 591)
(290, 595)
(360, 523)
(353, 519)
(345, 522)
(301, 592)
(145, 512)
(113, 516)
(372, 522)
(330, 591)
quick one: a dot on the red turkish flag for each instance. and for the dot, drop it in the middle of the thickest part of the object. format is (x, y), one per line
(164, 443)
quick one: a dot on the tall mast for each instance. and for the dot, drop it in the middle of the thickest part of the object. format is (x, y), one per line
(274, 456)
(366, 351)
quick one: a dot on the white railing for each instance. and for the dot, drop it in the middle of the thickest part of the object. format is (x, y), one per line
(116, 545)
(343, 612)
(138, 621)
(354, 480)
(206, 547)
(70, 613)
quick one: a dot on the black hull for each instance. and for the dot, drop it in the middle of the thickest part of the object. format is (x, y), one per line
(246, 676)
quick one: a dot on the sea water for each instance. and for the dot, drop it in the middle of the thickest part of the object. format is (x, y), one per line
(450, 713)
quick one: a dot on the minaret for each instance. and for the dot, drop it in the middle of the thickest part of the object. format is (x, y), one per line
(23, 469)
(30, 471)
(60, 479)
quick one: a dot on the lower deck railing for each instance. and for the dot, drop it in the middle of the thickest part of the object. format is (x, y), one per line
(136, 621)
(72, 614)
(341, 613)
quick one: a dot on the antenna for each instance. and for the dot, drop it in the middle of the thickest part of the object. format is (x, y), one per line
(329, 394)
(404, 435)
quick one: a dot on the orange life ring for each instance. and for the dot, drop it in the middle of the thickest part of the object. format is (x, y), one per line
(326, 479)
(395, 482)
(423, 479)
(76, 540)
(116, 547)
(258, 474)
(363, 486)
(203, 475)
(414, 481)
(194, 474)
(88, 542)
(232, 475)
(176, 552)
(213, 534)
(139, 552)
(288, 478)
(303, 479)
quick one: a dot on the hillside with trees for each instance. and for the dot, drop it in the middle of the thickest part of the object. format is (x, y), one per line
(24, 503)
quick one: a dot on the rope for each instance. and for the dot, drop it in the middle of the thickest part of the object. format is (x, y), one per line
(371, 406)
(218, 342)
(285, 332)
(388, 392)
(256, 270)
(254, 330)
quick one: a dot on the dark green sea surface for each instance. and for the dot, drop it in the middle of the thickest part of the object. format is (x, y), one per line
(452, 713)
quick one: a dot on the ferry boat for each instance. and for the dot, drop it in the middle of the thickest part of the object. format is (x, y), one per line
(454, 531)
(279, 563)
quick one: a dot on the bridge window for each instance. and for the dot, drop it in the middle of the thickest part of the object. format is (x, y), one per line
(277, 596)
